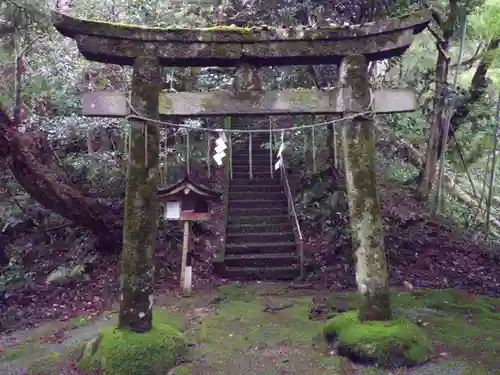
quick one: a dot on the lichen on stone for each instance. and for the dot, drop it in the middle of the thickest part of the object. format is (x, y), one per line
(71, 26)
(140, 219)
(364, 207)
(120, 44)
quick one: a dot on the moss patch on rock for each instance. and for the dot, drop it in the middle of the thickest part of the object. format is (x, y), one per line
(397, 342)
(118, 352)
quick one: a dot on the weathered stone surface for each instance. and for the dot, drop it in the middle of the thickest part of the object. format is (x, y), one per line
(104, 103)
(364, 206)
(297, 102)
(139, 228)
(228, 46)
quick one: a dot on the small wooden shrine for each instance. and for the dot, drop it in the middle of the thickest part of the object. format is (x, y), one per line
(187, 201)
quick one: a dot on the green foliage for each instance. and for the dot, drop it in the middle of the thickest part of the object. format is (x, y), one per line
(485, 20)
(12, 276)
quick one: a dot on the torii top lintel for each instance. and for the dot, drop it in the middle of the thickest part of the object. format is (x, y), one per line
(229, 46)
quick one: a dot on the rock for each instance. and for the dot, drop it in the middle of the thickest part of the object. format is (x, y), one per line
(273, 307)
(64, 275)
(121, 352)
(92, 345)
(326, 308)
(394, 343)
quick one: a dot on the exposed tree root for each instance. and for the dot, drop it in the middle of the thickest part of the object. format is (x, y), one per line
(28, 155)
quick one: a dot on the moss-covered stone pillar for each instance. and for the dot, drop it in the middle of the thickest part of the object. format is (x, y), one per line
(139, 229)
(358, 143)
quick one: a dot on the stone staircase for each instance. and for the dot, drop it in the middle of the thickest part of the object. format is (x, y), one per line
(260, 240)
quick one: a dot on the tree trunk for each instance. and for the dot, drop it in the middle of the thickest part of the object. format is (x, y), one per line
(428, 173)
(28, 157)
(139, 228)
(415, 158)
(364, 205)
(477, 89)
(18, 66)
(439, 113)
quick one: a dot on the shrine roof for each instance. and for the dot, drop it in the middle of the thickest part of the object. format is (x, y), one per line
(186, 183)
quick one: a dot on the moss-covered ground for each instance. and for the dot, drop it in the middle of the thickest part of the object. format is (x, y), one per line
(267, 329)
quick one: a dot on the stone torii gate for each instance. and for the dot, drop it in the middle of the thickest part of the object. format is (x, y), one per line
(148, 49)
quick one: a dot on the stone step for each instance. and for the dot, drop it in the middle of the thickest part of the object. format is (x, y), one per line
(260, 170)
(256, 141)
(240, 165)
(264, 273)
(261, 248)
(256, 175)
(238, 238)
(255, 182)
(261, 260)
(255, 167)
(255, 151)
(256, 195)
(244, 149)
(259, 152)
(239, 220)
(259, 228)
(244, 159)
(256, 203)
(235, 211)
(234, 189)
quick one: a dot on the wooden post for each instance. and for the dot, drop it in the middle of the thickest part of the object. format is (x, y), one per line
(185, 250)
(227, 125)
(313, 141)
(335, 143)
(364, 206)
(140, 219)
(271, 166)
(208, 155)
(306, 139)
(188, 151)
(165, 167)
(250, 168)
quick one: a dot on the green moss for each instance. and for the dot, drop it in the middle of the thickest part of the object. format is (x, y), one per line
(385, 342)
(186, 369)
(73, 26)
(179, 28)
(120, 352)
(163, 316)
(11, 354)
(51, 365)
(242, 327)
(452, 300)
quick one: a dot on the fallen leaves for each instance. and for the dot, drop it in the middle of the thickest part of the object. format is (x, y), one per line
(422, 252)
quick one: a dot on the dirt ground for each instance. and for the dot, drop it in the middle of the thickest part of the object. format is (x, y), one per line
(422, 250)
(273, 328)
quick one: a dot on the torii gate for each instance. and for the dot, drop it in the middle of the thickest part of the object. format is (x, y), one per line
(148, 49)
